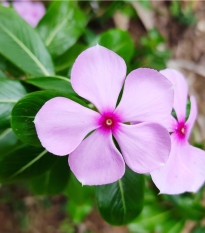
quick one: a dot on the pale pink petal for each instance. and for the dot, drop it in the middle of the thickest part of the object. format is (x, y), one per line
(145, 147)
(97, 161)
(5, 3)
(192, 116)
(31, 12)
(180, 91)
(62, 124)
(184, 171)
(147, 97)
(98, 75)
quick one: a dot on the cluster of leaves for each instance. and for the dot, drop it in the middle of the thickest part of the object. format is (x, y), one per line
(183, 13)
(35, 66)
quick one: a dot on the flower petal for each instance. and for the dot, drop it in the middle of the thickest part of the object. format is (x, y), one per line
(97, 161)
(184, 171)
(98, 75)
(31, 12)
(147, 97)
(192, 116)
(62, 124)
(180, 91)
(145, 147)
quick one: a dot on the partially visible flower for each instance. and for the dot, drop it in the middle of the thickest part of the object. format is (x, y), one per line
(185, 169)
(5, 4)
(98, 75)
(31, 12)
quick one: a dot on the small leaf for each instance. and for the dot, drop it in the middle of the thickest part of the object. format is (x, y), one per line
(119, 41)
(21, 44)
(122, 201)
(24, 162)
(25, 110)
(67, 59)
(61, 26)
(55, 83)
(8, 141)
(53, 181)
(10, 92)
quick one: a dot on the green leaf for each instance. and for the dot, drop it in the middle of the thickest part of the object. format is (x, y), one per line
(188, 205)
(55, 83)
(80, 199)
(61, 26)
(198, 229)
(155, 219)
(2, 75)
(54, 181)
(122, 201)
(21, 44)
(8, 140)
(119, 41)
(25, 110)
(67, 59)
(24, 162)
(10, 92)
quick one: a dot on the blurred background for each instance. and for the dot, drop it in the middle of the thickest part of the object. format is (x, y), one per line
(154, 34)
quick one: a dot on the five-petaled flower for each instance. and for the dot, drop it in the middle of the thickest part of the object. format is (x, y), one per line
(98, 75)
(184, 170)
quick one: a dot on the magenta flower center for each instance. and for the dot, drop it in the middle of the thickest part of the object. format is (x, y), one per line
(181, 130)
(109, 121)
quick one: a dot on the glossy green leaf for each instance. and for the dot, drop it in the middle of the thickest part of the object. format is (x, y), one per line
(122, 201)
(10, 92)
(67, 59)
(25, 110)
(61, 26)
(8, 141)
(21, 44)
(118, 41)
(24, 162)
(53, 181)
(55, 83)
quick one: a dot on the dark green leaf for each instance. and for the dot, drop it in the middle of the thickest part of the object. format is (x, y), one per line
(56, 83)
(67, 59)
(119, 41)
(61, 26)
(121, 202)
(10, 92)
(25, 110)
(24, 162)
(54, 180)
(8, 141)
(21, 44)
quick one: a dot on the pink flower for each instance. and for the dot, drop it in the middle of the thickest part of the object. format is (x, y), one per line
(31, 12)
(185, 169)
(98, 75)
